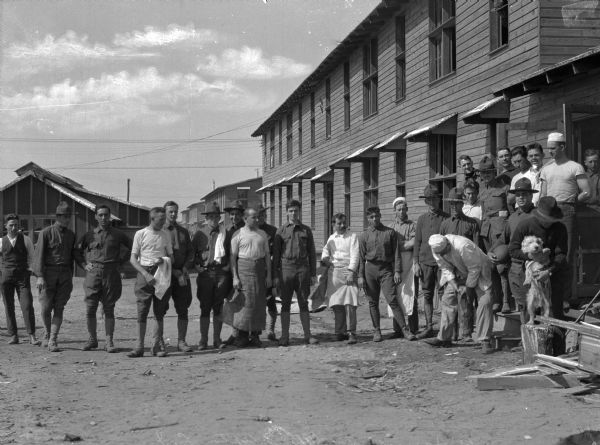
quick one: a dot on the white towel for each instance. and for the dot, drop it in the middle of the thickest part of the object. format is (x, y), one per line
(220, 246)
(162, 278)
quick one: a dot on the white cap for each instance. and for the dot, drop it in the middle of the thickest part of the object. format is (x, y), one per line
(556, 137)
(398, 200)
(437, 243)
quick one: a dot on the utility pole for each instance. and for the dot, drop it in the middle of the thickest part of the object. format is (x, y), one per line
(128, 184)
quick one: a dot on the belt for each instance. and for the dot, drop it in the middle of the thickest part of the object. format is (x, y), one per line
(252, 260)
(302, 261)
(380, 263)
(56, 266)
(107, 265)
(566, 203)
(151, 269)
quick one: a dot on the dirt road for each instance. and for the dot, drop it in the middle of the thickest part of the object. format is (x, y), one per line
(394, 392)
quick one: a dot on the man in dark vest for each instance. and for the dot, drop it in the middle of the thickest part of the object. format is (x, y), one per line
(16, 256)
(53, 265)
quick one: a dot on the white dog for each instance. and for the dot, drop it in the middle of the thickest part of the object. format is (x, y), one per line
(539, 291)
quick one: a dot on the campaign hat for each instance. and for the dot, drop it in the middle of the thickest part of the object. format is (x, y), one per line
(431, 191)
(523, 185)
(235, 205)
(487, 163)
(212, 207)
(548, 210)
(454, 195)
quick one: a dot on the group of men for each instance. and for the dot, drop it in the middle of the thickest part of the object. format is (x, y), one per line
(243, 266)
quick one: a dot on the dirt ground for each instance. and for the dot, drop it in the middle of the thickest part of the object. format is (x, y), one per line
(393, 392)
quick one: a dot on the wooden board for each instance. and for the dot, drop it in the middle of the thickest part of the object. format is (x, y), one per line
(589, 353)
(537, 339)
(527, 381)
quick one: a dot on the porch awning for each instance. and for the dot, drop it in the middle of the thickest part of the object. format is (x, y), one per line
(301, 175)
(489, 112)
(324, 176)
(445, 125)
(394, 143)
(340, 163)
(363, 153)
(264, 188)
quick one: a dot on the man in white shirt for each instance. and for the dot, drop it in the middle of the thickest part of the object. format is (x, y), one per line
(341, 255)
(16, 256)
(472, 205)
(464, 268)
(150, 245)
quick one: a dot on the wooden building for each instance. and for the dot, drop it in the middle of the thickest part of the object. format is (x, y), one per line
(418, 83)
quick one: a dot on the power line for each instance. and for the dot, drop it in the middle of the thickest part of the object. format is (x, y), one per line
(127, 141)
(165, 167)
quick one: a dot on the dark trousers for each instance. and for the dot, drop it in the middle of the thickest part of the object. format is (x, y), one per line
(271, 305)
(102, 285)
(294, 278)
(570, 221)
(146, 298)
(17, 281)
(182, 297)
(214, 285)
(429, 280)
(380, 278)
(59, 284)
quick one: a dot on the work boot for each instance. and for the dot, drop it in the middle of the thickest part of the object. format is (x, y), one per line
(217, 327)
(255, 340)
(352, 339)
(181, 334)
(14, 340)
(272, 320)
(92, 343)
(341, 337)
(53, 344)
(109, 329)
(159, 348)
(34, 341)
(437, 343)
(46, 340)
(204, 326)
(241, 340)
(428, 332)
(408, 334)
(305, 320)
(377, 335)
(285, 329)
(139, 350)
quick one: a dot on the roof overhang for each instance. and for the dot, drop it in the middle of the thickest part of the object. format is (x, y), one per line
(75, 197)
(340, 163)
(393, 143)
(362, 154)
(301, 175)
(445, 125)
(489, 112)
(324, 176)
(264, 188)
(547, 77)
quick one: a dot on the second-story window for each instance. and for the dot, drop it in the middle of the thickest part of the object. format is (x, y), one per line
(289, 136)
(498, 24)
(370, 80)
(300, 128)
(272, 149)
(312, 121)
(400, 58)
(347, 98)
(442, 38)
(328, 108)
(280, 142)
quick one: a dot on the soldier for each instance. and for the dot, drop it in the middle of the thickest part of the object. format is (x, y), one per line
(424, 263)
(506, 169)
(53, 265)
(183, 261)
(101, 249)
(295, 269)
(493, 195)
(214, 277)
(271, 306)
(16, 258)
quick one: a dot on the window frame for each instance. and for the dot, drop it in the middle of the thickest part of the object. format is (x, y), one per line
(289, 138)
(347, 122)
(370, 78)
(499, 25)
(442, 39)
(400, 22)
(299, 128)
(442, 165)
(328, 108)
(313, 125)
(400, 172)
(370, 176)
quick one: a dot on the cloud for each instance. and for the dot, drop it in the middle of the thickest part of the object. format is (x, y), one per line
(173, 35)
(56, 53)
(249, 63)
(117, 100)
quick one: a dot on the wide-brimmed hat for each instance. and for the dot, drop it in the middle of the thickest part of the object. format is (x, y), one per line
(523, 185)
(212, 207)
(235, 205)
(64, 208)
(487, 163)
(548, 209)
(455, 195)
(431, 191)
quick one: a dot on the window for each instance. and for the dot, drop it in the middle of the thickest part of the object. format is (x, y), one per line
(264, 147)
(327, 108)
(313, 205)
(371, 183)
(442, 38)
(300, 128)
(272, 149)
(289, 137)
(347, 194)
(281, 206)
(400, 162)
(370, 66)
(272, 205)
(400, 58)
(328, 201)
(288, 193)
(300, 191)
(280, 142)
(312, 120)
(346, 95)
(442, 162)
(498, 24)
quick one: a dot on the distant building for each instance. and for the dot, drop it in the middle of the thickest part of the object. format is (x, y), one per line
(417, 84)
(245, 191)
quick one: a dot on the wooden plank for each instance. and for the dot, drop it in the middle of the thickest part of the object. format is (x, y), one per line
(536, 339)
(517, 382)
(589, 353)
(587, 329)
(559, 361)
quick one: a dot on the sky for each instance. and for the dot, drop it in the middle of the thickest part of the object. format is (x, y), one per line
(163, 92)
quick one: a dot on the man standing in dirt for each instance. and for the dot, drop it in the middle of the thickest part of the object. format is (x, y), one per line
(16, 258)
(380, 270)
(271, 306)
(463, 265)
(53, 265)
(183, 261)
(214, 276)
(295, 269)
(150, 245)
(101, 249)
